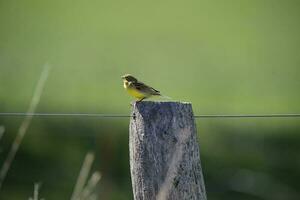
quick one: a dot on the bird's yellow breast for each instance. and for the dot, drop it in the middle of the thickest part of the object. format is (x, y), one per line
(133, 92)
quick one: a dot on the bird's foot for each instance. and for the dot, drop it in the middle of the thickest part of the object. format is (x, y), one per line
(140, 100)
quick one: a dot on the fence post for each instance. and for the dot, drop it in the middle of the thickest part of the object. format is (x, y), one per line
(164, 152)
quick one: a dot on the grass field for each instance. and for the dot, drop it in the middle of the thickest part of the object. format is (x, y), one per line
(228, 57)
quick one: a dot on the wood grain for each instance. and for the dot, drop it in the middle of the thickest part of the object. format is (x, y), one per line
(164, 152)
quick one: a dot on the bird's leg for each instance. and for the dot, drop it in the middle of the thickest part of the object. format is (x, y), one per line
(141, 99)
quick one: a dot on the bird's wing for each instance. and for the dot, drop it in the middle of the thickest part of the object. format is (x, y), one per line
(142, 87)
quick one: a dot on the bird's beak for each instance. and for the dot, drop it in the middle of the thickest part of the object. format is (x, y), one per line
(122, 77)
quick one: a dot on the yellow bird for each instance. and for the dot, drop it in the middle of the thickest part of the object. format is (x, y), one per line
(138, 89)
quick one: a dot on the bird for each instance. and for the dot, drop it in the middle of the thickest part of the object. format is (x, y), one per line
(138, 89)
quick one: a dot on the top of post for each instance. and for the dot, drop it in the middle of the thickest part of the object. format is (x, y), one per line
(155, 109)
(160, 103)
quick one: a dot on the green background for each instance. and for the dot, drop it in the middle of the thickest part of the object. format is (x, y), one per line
(226, 57)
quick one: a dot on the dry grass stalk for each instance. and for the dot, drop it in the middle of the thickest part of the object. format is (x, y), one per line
(36, 192)
(83, 175)
(25, 124)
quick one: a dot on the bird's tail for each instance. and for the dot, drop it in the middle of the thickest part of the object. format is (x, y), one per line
(165, 97)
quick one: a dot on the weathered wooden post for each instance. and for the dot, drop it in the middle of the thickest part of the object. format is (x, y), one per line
(164, 153)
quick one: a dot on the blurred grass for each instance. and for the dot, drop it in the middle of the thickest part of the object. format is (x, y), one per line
(224, 57)
(233, 56)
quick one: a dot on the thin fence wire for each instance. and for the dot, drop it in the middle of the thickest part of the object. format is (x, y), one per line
(108, 115)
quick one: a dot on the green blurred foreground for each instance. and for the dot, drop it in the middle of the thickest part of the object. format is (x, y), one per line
(228, 57)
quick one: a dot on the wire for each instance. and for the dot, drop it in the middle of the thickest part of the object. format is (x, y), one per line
(249, 115)
(105, 115)
(101, 115)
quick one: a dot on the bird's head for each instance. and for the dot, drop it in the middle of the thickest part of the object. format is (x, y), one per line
(129, 78)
